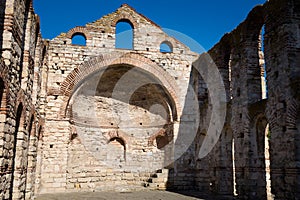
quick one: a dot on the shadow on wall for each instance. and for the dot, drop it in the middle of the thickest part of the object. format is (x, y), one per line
(181, 176)
(193, 140)
(2, 15)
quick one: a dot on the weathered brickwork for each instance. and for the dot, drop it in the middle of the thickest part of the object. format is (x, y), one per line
(120, 151)
(20, 121)
(94, 117)
(239, 54)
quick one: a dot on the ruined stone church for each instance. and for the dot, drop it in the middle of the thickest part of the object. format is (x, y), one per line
(96, 117)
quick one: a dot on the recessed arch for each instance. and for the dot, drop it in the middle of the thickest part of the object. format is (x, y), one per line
(78, 75)
(116, 151)
(262, 135)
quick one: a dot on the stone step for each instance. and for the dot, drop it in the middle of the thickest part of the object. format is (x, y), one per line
(160, 175)
(158, 180)
(158, 186)
(164, 171)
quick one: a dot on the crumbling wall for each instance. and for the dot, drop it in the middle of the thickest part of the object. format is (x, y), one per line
(240, 55)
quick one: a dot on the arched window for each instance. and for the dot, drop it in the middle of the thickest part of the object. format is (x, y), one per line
(124, 34)
(79, 39)
(166, 47)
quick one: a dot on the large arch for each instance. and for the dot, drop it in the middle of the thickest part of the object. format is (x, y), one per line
(78, 75)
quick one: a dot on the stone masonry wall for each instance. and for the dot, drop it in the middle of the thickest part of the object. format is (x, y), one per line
(20, 40)
(125, 149)
(239, 54)
(94, 117)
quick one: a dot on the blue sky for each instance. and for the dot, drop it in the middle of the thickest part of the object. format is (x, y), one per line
(202, 20)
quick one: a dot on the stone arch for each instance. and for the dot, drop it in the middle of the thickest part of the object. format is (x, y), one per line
(125, 16)
(79, 30)
(117, 150)
(77, 76)
(117, 144)
(118, 134)
(160, 133)
(169, 44)
(263, 153)
(259, 138)
(119, 140)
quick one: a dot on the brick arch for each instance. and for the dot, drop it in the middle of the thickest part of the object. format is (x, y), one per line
(125, 17)
(118, 134)
(78, 75)
(79, 29)
(162, 132)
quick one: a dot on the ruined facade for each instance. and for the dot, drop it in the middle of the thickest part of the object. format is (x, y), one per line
(95, 117)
